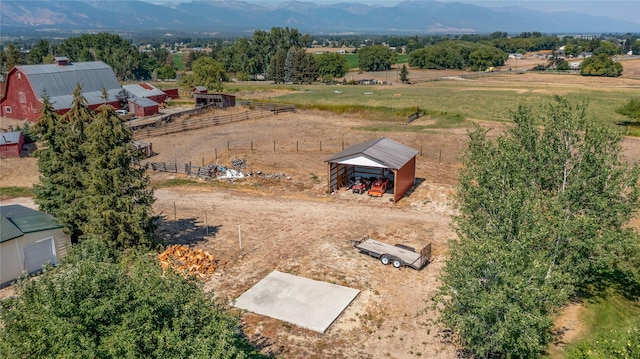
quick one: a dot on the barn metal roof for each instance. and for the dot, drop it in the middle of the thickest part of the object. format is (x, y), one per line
(10, 137)
(59, 81)
(143, 102)
(143, 90)
(383, 152)
(17, 220)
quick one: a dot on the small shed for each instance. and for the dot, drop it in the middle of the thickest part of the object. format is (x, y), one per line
(376, 158)
(200, 89)
(142, 107)
(28, 240)
(219, 100)
(11, 144)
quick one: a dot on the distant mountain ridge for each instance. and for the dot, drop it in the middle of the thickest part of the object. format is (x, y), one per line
(229, 16)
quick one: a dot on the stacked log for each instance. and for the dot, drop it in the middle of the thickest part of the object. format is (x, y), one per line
(189, 262)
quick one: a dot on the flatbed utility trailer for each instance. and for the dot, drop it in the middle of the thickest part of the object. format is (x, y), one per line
(397, 255)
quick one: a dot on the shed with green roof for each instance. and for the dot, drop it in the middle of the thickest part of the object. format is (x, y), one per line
(28, 240)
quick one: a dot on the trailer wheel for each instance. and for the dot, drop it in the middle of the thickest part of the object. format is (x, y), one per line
(385, 259)
(397, 263)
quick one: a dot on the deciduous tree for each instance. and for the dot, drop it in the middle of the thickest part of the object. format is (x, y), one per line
(376, 58)
(543, 215)
(332, 64)
(101, 303)
(601, 65)
(206, 72)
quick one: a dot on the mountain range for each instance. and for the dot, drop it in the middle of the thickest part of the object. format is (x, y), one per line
(232, 16)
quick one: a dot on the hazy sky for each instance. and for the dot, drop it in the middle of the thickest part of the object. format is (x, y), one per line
(624, 10)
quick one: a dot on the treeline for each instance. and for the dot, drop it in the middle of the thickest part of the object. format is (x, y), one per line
(281, 54)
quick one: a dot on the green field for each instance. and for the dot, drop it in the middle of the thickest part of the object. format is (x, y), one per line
(475, 100)
(178, 60)
(353, 59)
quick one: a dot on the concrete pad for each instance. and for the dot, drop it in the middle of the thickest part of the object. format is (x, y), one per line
(304, 302)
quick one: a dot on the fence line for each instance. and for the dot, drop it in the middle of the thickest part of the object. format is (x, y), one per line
(184, 167)
(184, 121)
(240, 147)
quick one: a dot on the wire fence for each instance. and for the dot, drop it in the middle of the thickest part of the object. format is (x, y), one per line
(193, 119)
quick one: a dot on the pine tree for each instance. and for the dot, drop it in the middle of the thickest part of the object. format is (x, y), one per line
(118, 195)
(91, 180)
(404, 73)
(61, 163)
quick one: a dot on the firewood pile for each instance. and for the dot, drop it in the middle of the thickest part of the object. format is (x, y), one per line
(190, 262)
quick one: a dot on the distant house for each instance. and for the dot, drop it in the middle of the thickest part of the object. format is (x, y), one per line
(27, 85)
(28, 240)
(11, 144)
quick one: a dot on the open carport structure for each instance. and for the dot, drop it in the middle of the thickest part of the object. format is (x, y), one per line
(376, 158)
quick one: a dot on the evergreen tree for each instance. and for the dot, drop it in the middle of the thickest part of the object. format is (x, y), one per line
(305, 67)
(275, 72)
(289, 66)
(62, 163)
(542, 216)
(91, 180)
(118, 196)
(404, 73)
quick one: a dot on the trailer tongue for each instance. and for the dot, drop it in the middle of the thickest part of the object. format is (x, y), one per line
(398, 255)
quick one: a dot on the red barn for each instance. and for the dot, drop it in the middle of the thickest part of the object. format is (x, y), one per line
(145, 90)
(27, 85)
(11, 144)
(142, 107)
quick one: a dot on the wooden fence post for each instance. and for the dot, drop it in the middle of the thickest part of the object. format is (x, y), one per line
(440, 157)
(343, 145)
(297, 146)
(320, 146)
(228, 148)
(274, 145)
(216, 154)
(251, 145)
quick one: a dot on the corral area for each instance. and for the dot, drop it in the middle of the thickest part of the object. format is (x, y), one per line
(282, 219)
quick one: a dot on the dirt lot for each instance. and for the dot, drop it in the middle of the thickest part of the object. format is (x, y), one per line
(289, 223)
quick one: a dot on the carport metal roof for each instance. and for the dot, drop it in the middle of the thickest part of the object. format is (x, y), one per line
(382, 152)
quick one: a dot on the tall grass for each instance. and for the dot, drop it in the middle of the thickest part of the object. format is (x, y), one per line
(613, 330)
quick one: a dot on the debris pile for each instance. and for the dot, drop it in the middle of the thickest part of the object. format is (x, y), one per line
(238, 164)
(186, 261)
